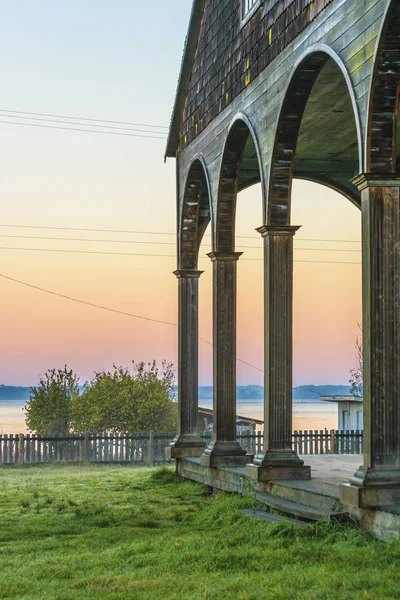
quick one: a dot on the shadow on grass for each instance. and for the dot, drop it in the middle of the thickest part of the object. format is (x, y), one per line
(165, 476)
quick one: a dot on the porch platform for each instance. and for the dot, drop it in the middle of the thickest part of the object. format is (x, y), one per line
(312, 500)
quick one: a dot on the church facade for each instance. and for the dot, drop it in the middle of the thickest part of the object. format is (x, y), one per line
(270, 90)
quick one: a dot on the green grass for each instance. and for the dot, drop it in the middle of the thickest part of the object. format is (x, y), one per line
(120, 532)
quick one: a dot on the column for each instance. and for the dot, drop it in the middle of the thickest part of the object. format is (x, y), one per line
(278, 460)
(188, 441)
(377, 481)
(224, 449)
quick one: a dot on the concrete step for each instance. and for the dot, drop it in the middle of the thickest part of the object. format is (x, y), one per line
(295, 509)
(264, 516)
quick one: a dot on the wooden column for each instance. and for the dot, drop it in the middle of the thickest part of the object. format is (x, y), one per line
(278, 460)
(188, 441)
(224, 449)
(377, 481)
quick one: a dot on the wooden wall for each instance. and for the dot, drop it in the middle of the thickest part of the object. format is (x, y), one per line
(229, 56)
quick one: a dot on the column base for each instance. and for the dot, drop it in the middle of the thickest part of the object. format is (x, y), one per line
(276, 466)
(185, 446)
(224, 454)
(372, 487)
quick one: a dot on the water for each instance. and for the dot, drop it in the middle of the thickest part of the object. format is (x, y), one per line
(12, 416)
(306, 415)
(311, 415)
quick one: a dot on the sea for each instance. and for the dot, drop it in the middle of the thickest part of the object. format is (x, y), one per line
(307, 414)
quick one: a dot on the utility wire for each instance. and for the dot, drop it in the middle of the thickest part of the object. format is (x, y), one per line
(87, 229)
(20, 112)
(161, 255)
(113, 310)
(249, 237)
(126, 314)
(66, 239)
(85, 124)
(154, 137)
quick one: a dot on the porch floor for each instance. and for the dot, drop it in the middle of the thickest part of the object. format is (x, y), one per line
(328, 471)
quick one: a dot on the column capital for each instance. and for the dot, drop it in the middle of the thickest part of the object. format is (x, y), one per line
(187, 274)
(278, 230)
(366, 180)
(224, 256)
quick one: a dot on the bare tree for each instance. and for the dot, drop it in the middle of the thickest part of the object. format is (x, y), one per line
(356, 373)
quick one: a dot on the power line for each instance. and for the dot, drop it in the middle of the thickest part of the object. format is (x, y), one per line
(252, 237)
(84, 130)
(161, 255)
(66, 239)
(92, 229)
(20, 112)
(84, 124)
(113, 310)
(92, 304)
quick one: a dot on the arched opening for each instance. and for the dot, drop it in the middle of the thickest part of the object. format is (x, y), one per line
(318, 139)
(383, 153)
(194, 218)
(317, 136)
(195, 215)
(240, 169)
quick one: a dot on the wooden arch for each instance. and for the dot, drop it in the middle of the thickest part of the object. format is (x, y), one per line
(195, 215)
(381, 147)
(240, 168)
(282, 170)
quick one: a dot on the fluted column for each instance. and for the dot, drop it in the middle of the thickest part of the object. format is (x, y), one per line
(278, 460)
(224, 449)
(188, 441)
(377, 481)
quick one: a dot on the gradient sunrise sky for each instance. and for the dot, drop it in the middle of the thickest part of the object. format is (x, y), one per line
(120, 61)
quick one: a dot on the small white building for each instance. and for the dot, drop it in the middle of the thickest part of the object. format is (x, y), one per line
(350, 412)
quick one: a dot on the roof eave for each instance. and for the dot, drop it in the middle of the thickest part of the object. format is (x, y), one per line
(184, 77)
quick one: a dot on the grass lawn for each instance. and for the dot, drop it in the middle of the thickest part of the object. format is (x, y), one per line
(124, 532)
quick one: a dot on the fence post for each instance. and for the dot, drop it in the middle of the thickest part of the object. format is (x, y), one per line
(86, 447)
(333, 442)
(150, 449)
(21, 449)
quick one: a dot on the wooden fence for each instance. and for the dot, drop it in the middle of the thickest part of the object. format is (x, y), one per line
(149, 448)
(328, 442)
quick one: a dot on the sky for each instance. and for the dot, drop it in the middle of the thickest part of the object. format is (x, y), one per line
(116, 61)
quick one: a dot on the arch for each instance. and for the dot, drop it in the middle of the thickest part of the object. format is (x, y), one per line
(382, 126)
(300, 145)
(240, 168)
(196, 214)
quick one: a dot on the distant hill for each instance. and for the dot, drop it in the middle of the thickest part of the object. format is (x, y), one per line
(256, 392)
(244, 392)
(10, 392)
(307, 392)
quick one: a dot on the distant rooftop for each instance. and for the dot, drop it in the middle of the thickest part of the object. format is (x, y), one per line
(341, 399)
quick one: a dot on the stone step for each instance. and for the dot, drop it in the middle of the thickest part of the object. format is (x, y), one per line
(323, 498)
(264, 516)
(297, 510)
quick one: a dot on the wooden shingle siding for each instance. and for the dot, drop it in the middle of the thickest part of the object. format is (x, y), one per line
(229, 57)
(350, 28)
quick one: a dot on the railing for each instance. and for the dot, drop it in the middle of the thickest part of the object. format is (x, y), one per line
(149, 448)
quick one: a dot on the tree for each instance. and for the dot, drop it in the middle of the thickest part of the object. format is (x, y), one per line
(356, 374)
(124, 400)
(48, 410)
